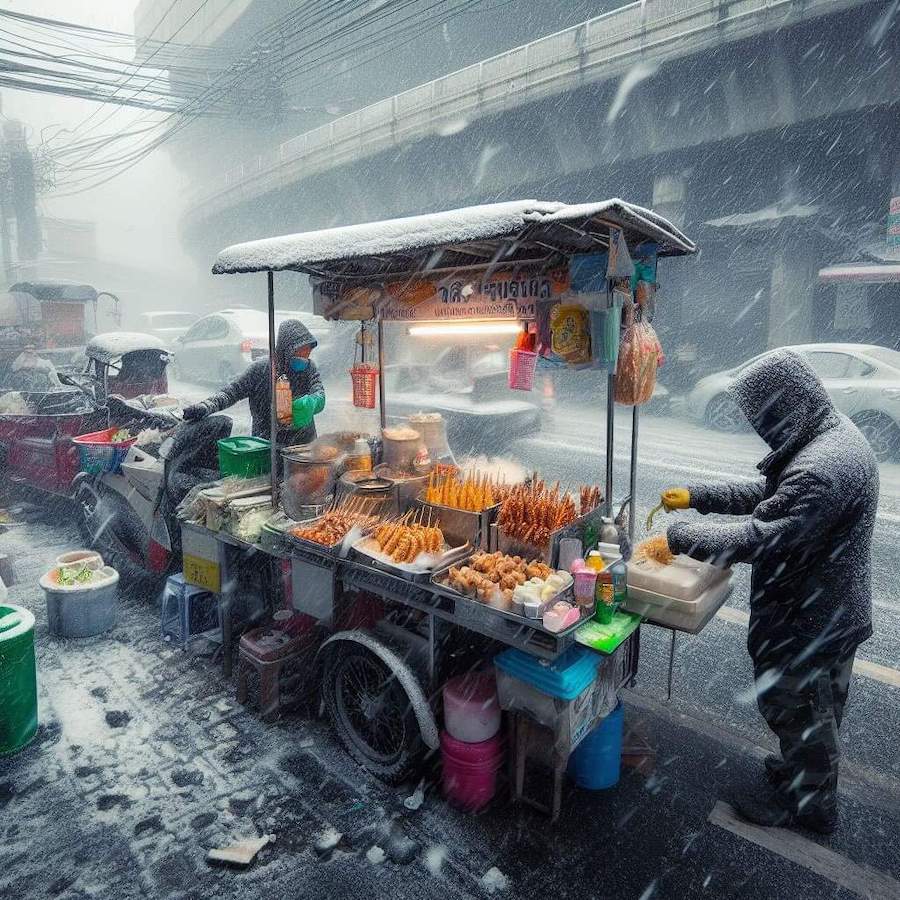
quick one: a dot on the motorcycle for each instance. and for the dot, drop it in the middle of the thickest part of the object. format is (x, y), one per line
(129, 516)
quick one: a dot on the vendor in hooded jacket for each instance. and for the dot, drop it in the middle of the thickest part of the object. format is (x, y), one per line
(292, 351)
(806, 529)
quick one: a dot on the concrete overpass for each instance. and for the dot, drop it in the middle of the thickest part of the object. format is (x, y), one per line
(767, 128)
(653, 40)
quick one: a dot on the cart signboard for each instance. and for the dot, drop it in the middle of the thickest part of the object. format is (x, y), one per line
(460, 297)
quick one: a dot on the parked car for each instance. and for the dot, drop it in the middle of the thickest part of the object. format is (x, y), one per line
(218, 347)
(862, 380)
(168, 325)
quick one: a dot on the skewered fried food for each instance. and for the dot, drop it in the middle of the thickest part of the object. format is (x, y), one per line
(334, 525)
(473, 492)
(590, 498)
(405, 541)
(530, 514)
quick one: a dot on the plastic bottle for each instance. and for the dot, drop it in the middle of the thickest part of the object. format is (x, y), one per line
(595, 561)
(283, 400)
(620, 587)
(605, 596)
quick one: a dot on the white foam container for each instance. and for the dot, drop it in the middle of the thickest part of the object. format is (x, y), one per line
(683, 579)
(683, 615)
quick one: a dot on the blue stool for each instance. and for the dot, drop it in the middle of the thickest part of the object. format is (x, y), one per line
(189, 613)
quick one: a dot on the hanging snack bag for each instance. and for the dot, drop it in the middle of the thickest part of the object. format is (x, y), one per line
(640, 355)
(570, 333)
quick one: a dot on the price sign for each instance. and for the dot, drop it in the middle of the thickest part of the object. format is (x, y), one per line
(202, 573)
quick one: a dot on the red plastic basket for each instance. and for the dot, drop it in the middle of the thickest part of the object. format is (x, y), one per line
(97, 453)
(365, 382)
(521, 369)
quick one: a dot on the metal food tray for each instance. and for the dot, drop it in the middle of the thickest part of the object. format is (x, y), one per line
(463, 523)
(476, 610)
(550, 554)
(461, 553)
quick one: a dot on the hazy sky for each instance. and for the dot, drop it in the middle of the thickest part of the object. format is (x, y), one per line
(137, 213)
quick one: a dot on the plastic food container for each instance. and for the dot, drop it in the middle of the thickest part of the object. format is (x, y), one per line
(308, 481)
(82, 610)
(683, 579)
(78, 558)
(245, 457)
(566, 696)
(471, 708)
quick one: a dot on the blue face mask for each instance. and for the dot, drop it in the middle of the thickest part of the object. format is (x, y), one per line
(299, 364)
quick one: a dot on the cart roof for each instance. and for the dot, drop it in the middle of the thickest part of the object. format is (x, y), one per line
(515, 231)
(59, 291)
(113, 344)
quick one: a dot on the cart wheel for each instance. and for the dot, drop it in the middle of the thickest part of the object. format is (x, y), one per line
(371, 713)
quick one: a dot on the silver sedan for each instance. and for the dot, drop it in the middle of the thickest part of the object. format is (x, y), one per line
(862, 380)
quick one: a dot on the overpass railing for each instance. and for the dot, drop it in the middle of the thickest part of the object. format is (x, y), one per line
(598, 49)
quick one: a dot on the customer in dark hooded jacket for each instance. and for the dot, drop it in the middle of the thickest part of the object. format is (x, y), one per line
(808, 536)
(292, 351)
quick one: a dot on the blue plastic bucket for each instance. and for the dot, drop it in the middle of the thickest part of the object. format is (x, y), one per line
(597, 760)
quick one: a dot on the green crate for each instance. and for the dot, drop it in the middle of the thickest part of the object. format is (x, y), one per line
(245, 457)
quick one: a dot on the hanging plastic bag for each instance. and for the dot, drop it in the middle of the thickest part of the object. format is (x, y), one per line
(640, 355)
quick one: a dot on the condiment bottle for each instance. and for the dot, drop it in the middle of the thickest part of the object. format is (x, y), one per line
(605, 596)
(620, 586)
(595, 561)
(283, 401)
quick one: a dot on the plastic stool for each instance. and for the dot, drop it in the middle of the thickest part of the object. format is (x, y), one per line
(276, 658)
(189, 613)
(529, 739)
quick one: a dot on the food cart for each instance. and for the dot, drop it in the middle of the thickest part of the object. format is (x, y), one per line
(496, 265)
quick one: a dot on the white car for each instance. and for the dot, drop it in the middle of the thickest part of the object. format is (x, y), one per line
(168, 325)
(862, 380)
(218, 347)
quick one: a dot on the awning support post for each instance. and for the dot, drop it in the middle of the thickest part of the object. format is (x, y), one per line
(381, 407)
(632, 503)
(273, 377)
(610, 425)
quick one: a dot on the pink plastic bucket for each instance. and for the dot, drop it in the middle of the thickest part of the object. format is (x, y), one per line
(471, 707)
(585, 585)
(521, 369)
(470, 771)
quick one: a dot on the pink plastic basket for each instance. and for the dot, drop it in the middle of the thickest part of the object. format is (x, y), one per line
(365, 383)
(521, 369)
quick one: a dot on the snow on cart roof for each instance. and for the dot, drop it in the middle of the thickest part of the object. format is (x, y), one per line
(112, 344)
(510, 232)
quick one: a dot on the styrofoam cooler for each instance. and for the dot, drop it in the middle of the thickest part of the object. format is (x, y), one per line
(567, 695)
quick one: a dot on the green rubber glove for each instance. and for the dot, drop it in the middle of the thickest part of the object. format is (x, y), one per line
(304, 408)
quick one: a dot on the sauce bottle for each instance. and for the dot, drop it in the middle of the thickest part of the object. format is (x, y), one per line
(283, 401)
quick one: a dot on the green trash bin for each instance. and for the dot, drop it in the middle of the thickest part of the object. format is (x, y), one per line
(18, 679)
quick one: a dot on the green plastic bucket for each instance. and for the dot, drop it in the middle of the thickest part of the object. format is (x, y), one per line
(246, 457)
(18, 679)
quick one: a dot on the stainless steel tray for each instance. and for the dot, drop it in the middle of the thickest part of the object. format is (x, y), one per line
(475, 609)
(451, 558)
(461, 525)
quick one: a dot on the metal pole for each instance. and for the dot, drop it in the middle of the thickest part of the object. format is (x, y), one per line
(671, 665)
(632, 511)
(273, 377)
(381, 409)
(610, 425)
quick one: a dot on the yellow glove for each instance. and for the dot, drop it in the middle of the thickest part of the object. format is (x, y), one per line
(670, 498)
(676, 498)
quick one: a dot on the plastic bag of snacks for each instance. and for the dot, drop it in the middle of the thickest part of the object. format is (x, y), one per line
(640, 355)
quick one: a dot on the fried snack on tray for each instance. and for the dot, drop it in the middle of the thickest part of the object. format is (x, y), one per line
(486, 573)
(335, 524)
(531, 513)
(654, 548)
(404, 541)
